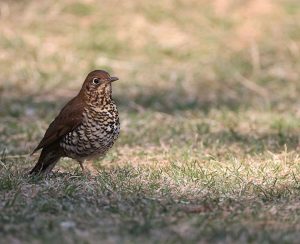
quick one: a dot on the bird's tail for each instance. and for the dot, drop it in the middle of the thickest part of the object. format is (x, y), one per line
(46, 162)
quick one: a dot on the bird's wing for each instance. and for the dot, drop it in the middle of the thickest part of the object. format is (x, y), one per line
(67, 120)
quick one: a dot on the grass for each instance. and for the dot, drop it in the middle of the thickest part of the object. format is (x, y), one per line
(209, 108)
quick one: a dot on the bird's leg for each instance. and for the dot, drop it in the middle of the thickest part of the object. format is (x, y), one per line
(85, 171)
(81, 166)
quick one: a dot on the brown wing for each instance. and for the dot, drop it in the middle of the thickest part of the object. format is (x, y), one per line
(67, 120)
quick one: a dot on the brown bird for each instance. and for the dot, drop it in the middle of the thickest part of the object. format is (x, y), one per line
(85, 128)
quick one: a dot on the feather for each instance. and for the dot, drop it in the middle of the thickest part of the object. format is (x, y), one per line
(68, 119)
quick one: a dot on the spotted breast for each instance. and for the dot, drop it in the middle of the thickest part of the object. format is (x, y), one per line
(95, 136)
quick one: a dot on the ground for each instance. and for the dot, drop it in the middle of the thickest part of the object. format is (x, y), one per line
(210, 121)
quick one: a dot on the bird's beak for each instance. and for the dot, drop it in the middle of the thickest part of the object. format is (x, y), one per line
(112, 79)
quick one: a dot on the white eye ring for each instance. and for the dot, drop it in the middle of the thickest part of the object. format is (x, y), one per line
(96, 81)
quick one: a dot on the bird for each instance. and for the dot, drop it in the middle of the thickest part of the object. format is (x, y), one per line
(86, 127)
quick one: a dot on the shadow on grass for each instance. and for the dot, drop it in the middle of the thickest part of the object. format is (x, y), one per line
(163, 100)
(259, 143)
(177, 100)
(156, 101)
(35, 107)
(134, 202)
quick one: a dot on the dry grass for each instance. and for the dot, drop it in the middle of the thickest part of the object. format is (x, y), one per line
(209, 108)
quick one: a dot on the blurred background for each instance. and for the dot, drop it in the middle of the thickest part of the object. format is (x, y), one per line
(170, 56)
(210, 122)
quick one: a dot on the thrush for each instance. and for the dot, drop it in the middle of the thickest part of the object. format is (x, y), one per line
(86, 127)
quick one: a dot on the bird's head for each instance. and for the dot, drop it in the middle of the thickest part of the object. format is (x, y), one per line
(97, 86)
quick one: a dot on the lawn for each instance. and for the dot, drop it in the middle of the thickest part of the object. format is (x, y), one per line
(210, 121)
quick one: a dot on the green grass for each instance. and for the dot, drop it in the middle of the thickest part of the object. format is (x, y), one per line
(209, 107)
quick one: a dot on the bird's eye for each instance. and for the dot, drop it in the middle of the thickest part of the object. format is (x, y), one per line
(96, 81)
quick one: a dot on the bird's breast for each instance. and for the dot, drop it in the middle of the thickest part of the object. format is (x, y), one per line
(96, 134)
